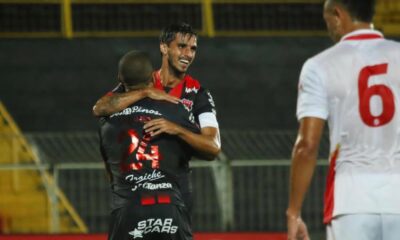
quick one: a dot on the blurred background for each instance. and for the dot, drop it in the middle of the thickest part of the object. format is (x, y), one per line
(57, 57)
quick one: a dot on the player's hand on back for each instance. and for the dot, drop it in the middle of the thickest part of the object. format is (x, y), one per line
(157, 94)
(161, 125)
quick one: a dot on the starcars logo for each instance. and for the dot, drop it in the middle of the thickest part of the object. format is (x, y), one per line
(153, 225)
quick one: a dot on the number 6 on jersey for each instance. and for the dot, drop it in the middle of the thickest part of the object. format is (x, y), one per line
(365, 94)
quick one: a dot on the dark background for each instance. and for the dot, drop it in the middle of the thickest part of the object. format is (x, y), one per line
(52, 84)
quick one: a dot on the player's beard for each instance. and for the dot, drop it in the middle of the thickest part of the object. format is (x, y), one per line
(175, 69)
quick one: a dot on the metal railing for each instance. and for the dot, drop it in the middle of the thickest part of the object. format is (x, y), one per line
(241, 191)
(238, 195)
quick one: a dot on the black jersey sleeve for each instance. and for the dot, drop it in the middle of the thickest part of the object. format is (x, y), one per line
(203, 103)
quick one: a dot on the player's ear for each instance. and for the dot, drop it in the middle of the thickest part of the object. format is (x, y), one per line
(337, 15)
(163, 48)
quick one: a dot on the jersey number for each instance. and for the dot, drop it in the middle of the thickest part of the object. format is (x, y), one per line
(141, 155)
(366, 92)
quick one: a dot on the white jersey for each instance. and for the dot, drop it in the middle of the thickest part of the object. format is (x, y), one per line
(355, 86)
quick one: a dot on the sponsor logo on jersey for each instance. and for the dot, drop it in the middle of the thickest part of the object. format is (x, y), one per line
(141, 180)
(155, 175)
(156, 186)
(136, 109)
(153, 225)
(191, 118)
(191, 89)
(210, 99)
(188, 104)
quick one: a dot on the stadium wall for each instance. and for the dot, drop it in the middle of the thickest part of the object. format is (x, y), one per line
(51, 84)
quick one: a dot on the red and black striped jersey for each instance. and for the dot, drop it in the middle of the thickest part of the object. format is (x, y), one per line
(145, 169)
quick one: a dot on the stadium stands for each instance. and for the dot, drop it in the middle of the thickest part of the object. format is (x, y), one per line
(26, 205)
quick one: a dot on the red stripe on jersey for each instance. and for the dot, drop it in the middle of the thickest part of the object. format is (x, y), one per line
(330, 187)
(363, 37)
(187, 81)
(148, 200)
(164, 199)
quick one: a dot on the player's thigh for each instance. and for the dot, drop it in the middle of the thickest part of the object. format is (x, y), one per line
(117, 225)
(391, 226)
(355, 226)
(183, 221)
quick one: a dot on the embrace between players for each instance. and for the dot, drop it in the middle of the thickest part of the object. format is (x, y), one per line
(150, 127)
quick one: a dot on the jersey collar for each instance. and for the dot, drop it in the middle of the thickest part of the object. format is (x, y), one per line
(176, 91)
(362, 34)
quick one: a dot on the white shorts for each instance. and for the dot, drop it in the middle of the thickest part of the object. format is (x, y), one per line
(364, 227)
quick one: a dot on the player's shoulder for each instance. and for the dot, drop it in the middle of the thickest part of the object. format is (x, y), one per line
(391, 42)
(193, 85)
(326, 54)
(390, 46)
(323, 59)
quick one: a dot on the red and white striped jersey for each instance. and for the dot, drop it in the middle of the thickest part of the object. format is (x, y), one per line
(355, 86)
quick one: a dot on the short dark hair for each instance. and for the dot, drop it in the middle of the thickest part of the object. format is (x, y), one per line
(168, 34)
(135, 68)
(361, 10)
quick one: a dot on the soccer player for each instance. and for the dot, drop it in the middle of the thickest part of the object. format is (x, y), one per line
(355, 86)
(178, 45)
(148, 169)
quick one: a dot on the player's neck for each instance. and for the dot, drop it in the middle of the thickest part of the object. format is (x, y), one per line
(169, 78)
(360, 26)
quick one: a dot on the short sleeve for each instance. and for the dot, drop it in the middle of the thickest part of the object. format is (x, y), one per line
(312, 100)
(204, 103)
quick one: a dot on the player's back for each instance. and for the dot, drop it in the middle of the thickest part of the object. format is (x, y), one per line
(363, 89)
(146, 169)
(361, 79)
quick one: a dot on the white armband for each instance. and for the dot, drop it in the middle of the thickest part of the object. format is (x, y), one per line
(208, 119)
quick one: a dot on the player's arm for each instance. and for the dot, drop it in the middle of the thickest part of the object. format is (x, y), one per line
(207, 142)
(116, 102)
(304, 158)
(312, 110)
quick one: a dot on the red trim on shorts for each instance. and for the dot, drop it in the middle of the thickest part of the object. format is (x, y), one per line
(164, 199)
(330, 187)
(148, 200)
(363, 37)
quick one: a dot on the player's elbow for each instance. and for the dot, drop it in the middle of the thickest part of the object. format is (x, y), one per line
(96, 111)
(213, 153)
(101, 108)
(305, 148)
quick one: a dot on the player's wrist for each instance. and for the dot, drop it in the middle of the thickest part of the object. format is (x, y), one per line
(292, 214)
(144, 92)
(180, 131)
